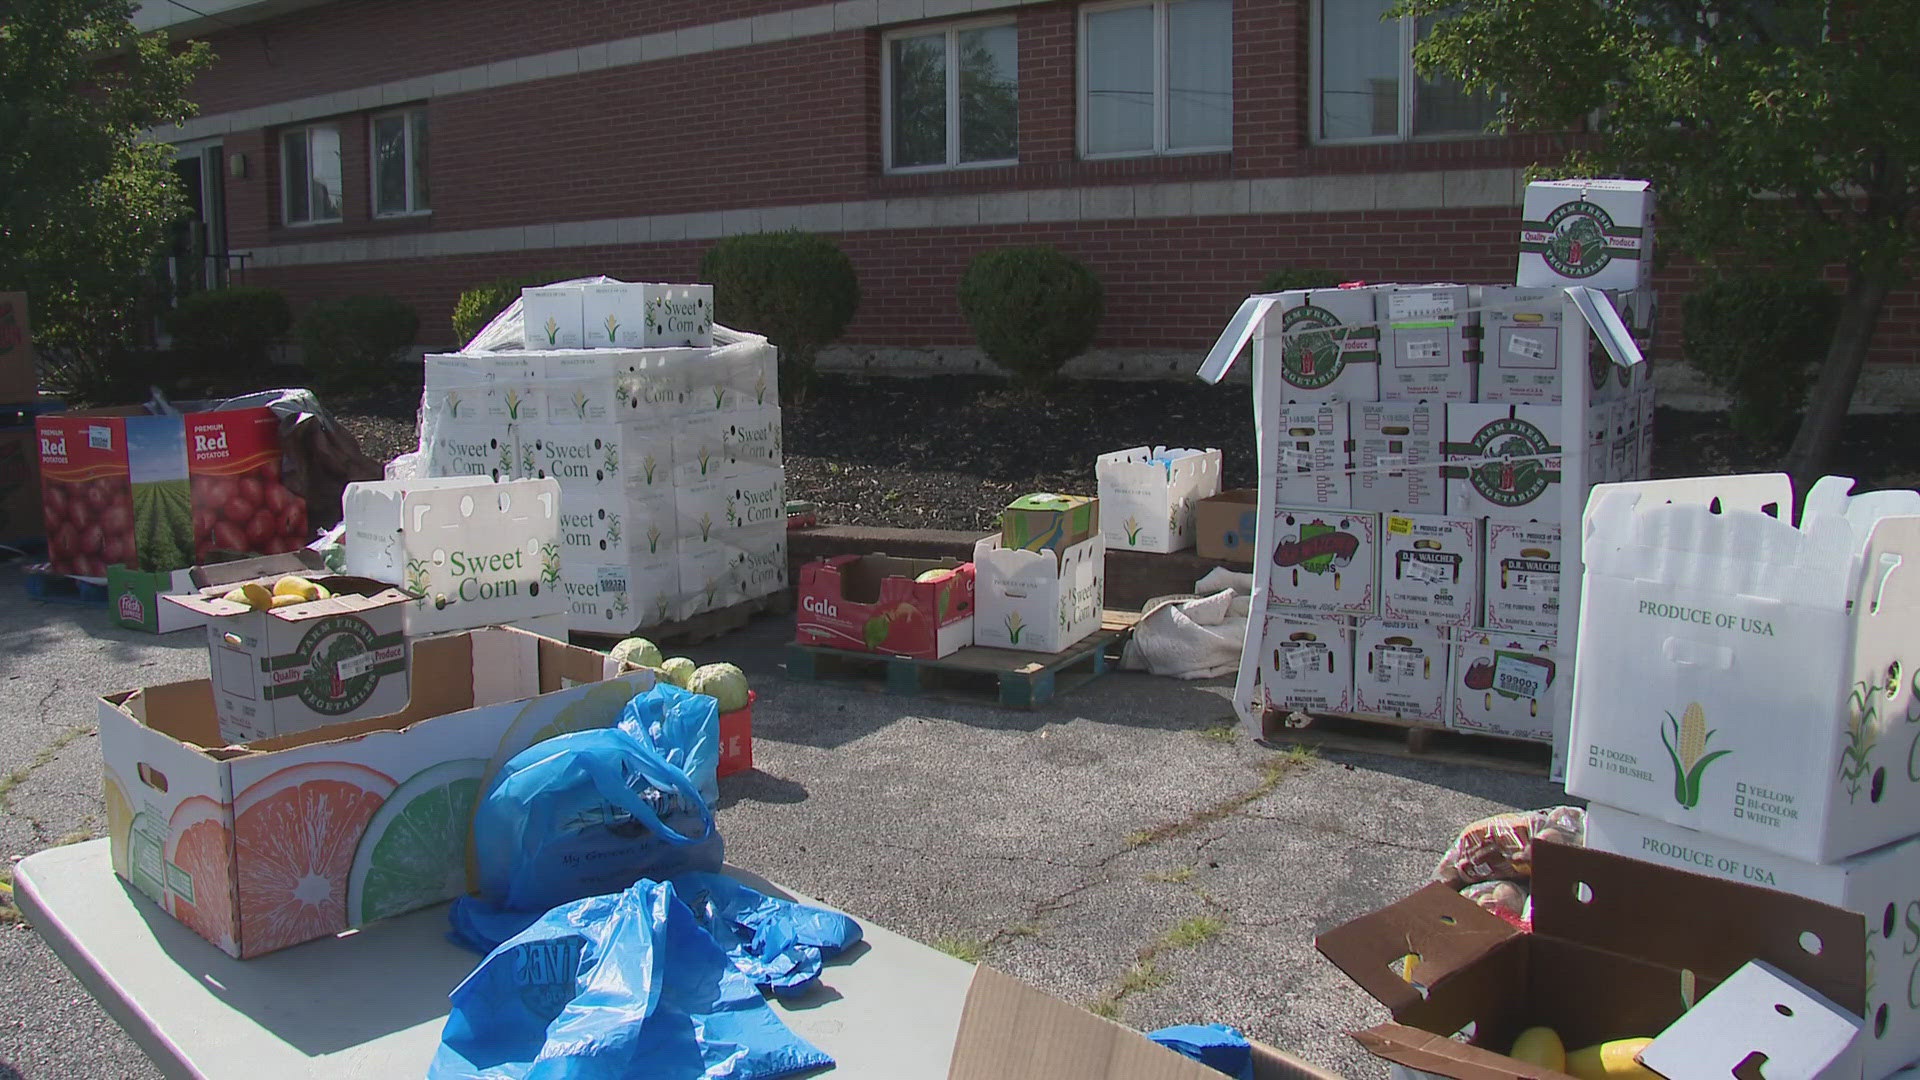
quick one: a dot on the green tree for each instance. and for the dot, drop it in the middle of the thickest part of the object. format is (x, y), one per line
(85, 201)
(1776, 133)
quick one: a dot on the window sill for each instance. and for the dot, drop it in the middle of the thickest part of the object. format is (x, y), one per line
(403, 215)
(947, 170)
(319, 224)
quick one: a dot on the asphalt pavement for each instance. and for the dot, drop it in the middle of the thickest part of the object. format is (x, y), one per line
(1120, 848)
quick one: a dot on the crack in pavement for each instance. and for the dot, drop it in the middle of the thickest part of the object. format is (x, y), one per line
(47, 699)
(996, 856)
(41, 760)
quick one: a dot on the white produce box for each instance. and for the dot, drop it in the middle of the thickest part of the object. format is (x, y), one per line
(1147, 495)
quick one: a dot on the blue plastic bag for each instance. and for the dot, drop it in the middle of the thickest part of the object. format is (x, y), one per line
(613, 987)
(778, 944)
(684, 727)
(587, 814)
(1217, 1046)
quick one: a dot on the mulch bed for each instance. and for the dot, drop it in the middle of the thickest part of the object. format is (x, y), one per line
(946, 452)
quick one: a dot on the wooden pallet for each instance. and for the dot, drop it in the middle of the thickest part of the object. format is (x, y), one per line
(975, 674)
(1369, 734)
(702, 627)
(48, 587)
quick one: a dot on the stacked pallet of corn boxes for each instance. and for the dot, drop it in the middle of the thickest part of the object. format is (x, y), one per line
(664, 436)
(1425, 451)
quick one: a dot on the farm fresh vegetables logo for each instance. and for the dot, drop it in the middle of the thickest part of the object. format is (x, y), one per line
(337, 665)
(1508, 470)
(1578, 239)
(1318, 348)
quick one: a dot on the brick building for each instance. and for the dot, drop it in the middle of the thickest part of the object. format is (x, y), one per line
(1182, 147)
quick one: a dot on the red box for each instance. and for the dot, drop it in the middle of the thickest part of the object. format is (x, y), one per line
(159, 493)
(736, 738)
(872, 603)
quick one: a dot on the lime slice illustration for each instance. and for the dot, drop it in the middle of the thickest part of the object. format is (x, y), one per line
(414, 851)
(597, 708)
(146, 855)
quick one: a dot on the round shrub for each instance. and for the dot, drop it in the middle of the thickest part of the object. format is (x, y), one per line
(1306, 277)
(799, 289)
(478, 305)
(356, 342)
(233, 328)
(1032, 309)
(1761, 339)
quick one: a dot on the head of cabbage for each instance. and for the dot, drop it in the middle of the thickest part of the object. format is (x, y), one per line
(637, 650)
(722, 682)
(678, 671)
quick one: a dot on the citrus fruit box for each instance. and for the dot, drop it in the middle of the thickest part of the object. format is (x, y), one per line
(261, 847)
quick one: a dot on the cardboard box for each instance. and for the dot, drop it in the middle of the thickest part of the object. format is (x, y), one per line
(553, 317)
(1598, 442)
(873, 603)
(1506, 684)
(1503, 461)
(752, 439)
(1772, 663)
(134, 598)
(1586, 232)
(163, 492)
(302, 837)
(1305, 663)
(1039, 601)
(1148, 502)
(1879, 885)
(472, 552)
(1624, 449)
(1430, 569)
(1044, 521)
(1611, 940)
(1313, 456)
(678, 315)
(736, 738)
(458, 448)
(1400, 670)
(710, 578)
(1325, 560)
(1323, 345)
(614, 314)
(763, 560)
(1522, 578)
(1520, 345)
(1427, 337)
(19, 373)
(617, 461)
(596, 529)
(301, 667)
(616, 596)
(1644, 395)
(1397, 457)
(1224, 526)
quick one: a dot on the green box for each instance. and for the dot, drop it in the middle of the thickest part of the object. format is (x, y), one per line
(1044, 520)
(135, 598)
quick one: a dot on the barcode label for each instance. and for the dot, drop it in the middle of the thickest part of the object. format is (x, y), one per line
(1418, 305)
(1423, 349)
(612, 580)
(356, 665)
(1531, 348)
(1426, 573)
(1519, 677)
(99, 437)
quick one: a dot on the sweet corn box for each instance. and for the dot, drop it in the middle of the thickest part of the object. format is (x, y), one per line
(1397, 457)
(1400, 669)
(1147, 495)
(1035, 601)
(1305, 664)
(1325, 561)
(1312, 459)
(1505, 684)
(1430, 569)
(552, 317)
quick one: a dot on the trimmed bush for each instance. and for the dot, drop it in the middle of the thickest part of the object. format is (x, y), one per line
(1761, 339)
(1032, 309)
(799, 289)
(1300, 278)
(357, 342)
(224, 332)
(478, 305)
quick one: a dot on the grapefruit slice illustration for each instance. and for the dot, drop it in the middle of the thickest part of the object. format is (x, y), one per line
(296, 832)
(199, 870)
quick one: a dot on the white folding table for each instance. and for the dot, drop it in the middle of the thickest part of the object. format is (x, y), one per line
(371, 1003)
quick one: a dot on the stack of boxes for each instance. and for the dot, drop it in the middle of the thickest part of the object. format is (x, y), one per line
(1414, 441)
(666, 447)
(1744, 704)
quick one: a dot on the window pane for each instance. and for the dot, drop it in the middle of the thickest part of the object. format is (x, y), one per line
(1441, 107)
(324, 149)
(420, 200)
(1199, 73)
(389, 165)
(1120, 80)
(989, 94)
(293, 174)
(919, 73)
(1360, 65)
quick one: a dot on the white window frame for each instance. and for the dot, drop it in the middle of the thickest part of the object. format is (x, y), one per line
(952, 32)
(373, 162)
(1160, 93)
(1409, 78)
(286, 191)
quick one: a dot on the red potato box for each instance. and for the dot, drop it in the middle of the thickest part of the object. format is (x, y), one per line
(881, 604)
(736, 738)
(159, 493)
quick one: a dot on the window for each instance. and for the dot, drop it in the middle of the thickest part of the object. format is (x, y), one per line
(1156, 78)
(310, 174)
(952, 97)
(400, 163)
(1366, 87)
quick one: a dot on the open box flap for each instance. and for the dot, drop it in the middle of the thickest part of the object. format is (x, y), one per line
(1691, 922)
(1444, 929)
(1437, 1054)
(350, 594)
(304, 562)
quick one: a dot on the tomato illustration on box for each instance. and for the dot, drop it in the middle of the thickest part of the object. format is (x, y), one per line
(1505, 685)
(877, 603)
(1325, 560)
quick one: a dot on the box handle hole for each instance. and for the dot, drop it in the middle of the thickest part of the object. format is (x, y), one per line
(153, 778)
(1583, 892)
(1810, 942)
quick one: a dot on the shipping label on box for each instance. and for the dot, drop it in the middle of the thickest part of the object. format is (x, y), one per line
(1881, 885)
(1226, 525)
(1430, 569)
(474, 553)
(1426, 343)
(1520, 345)
(1586, 232)
(752, 439)
(477, 449)
(1522, 578)
(614, 314)
(1147, 495)
(1400, 669)
(923, 608)
(1306, 664)
(1771, 692)
(1503, 461)
(1505, 684)
(1313, 460)
(1323, 346)
(614, 596)
(1397, 457)
(552, 317)
(1325, 560)
(1033, 602)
